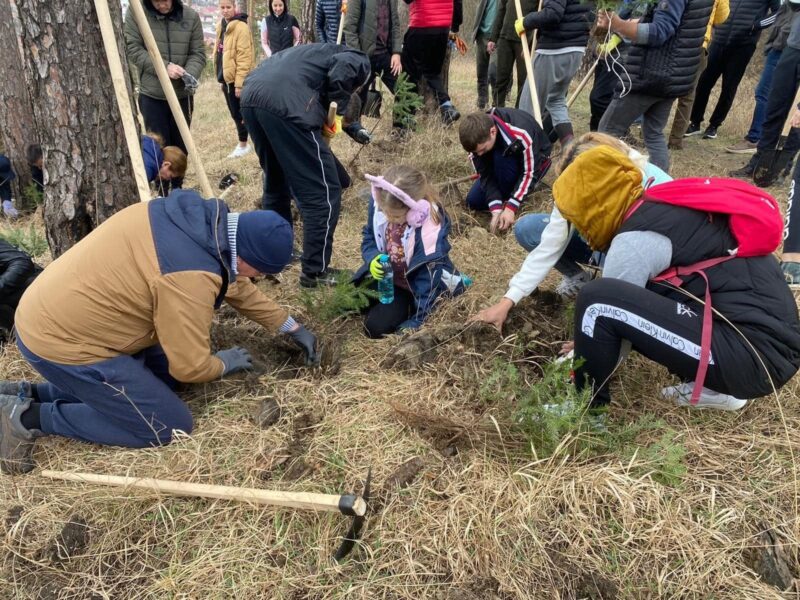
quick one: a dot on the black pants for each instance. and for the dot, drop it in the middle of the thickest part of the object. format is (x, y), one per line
(383, 319)
(381, 66)
(730, 63)
(235, 108)
(298, 162)
(424, 50)
(608, 311)
(605, 82)
(791, 226)
(509, 59)
(158, 119)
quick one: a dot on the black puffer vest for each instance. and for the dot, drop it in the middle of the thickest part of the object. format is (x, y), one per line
(573, 29)
(279, 29)
(668, 71)
(750, 292)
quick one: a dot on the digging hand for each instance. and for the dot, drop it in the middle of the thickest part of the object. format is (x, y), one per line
(495, 315)
(308, 343)
(235, 359)
(376, 268)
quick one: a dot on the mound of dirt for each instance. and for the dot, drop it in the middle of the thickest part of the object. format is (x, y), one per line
(274, 355)
(290, 459)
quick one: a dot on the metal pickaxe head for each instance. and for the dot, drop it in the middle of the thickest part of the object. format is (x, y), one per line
(349, 505)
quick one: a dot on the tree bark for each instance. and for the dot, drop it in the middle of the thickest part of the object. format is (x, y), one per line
(89, 173)
(16, 108)
(307, 21)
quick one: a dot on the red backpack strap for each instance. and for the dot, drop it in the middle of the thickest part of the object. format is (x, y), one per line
(675, 277)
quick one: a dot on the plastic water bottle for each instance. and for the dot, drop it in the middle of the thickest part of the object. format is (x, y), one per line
(386, 284)
(466, 280)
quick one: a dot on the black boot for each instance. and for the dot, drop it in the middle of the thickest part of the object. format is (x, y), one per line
(565, 133)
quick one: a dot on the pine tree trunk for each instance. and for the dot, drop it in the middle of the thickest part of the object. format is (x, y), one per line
(16, 109)
(307, 21)
(89, 173)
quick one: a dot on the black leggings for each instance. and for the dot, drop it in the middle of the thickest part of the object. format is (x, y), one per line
(608, 311)
(383, 319)
(424, 51)
(235, 108)
(791, 228)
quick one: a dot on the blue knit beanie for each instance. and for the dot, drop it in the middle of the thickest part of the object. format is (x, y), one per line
(264, 240)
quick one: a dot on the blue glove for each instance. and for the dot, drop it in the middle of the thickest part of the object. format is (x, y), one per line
(308, 343)
(9, 210)
(235, 359)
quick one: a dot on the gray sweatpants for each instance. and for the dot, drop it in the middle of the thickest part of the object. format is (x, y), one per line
(553, 73)
(622, 112)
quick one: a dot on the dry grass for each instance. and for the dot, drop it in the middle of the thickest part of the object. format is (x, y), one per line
(481, 519)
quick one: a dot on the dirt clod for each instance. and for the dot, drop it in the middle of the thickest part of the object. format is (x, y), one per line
(13, 516)
(594, 586)
(71, 541)
(404, 475)
(268, 413)
(770, 560)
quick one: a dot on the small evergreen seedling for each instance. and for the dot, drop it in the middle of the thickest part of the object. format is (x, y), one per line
(406, 102)
(31, 196)
(31, 241)
(344, 298)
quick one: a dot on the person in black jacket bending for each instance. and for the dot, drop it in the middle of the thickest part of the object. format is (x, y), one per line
(287, 125)
(17, 272)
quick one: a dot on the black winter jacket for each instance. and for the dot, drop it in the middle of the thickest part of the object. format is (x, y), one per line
(17, 272)
(747, 19)
(668, 70)
(779, 32)
(506, 15)
(562, 23)
(299, 83)
(750, 292)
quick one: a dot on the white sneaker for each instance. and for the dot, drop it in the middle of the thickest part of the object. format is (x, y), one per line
(570, 286)
(239, 151)
(681, 394)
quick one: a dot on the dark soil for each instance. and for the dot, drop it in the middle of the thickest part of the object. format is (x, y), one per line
(273, 355)
(13, 516)
(771, 560)
(268, 413)
(404, 475)
(291, 461)
(70, 542)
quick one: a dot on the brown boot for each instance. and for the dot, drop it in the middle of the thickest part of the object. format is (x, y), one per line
(16, 442)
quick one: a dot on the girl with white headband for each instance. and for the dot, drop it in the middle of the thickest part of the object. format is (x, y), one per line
(406, 224)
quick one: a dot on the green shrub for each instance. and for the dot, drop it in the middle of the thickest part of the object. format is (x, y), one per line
(328, 303)
(30, 240)
(406, 101)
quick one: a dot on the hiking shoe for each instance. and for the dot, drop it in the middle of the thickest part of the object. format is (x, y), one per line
(743, 147)
(746, 172)
(693, 129)
(20, 389)
(791, 273)
(449, 114)
(570, 286)
(710, 133)
(681, 395)
(330, 277)
(16, 442)
(238, 152)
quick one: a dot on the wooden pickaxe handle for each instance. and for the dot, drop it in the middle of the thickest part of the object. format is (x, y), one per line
(347, 504)
(582, 84)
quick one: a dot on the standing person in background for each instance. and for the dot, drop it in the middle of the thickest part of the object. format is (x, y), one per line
(234, 59)
(7, 175)
(729, 54)
(481, 30)
(668, 29)
(773, 50)
(680, 122)
(279, 30)
(179, 35)
(563, 27)
(425, 47)
(785, 82)
(373, 26)
(326, 20)
(505, 41)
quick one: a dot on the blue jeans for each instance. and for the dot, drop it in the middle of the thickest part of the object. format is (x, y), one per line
(762, 95)
(123, 401)
(528, 232)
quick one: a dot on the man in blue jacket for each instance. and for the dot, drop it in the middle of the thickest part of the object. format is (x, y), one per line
(669, 29)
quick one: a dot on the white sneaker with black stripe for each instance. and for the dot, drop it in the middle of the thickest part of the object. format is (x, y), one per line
(681, 394)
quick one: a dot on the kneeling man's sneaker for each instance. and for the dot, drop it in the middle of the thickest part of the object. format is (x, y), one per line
(681, 394)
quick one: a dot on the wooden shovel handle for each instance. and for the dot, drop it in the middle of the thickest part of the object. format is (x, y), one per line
(332, 108)
(322, 502)
(582, 84)
(526, 55)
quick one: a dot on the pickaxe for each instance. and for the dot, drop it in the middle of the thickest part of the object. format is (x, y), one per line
(227, 183)
(348, 504)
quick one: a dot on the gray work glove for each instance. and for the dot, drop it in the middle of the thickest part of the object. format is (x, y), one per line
(235, 359)
(308, 342)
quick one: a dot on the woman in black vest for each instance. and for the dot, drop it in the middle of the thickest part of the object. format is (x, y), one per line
(279, 30)
(755, 338)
